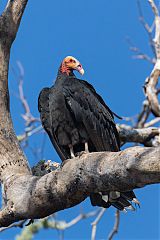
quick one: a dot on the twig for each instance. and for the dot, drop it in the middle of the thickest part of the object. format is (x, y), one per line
(47, 223)
(96, 221)
(27, 116)
(116, 225)
(147, 28)
(80, 217)
(152, 122)
(139, 53)
(143, 116)
(29, 133)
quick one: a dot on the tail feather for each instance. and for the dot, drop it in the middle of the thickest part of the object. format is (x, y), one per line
(121, 201)
(96, 200)
(118, 205)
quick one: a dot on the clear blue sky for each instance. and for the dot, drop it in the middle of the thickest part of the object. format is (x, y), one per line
(94, 32)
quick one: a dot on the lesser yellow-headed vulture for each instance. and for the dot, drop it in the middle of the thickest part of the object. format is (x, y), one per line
(77, 119)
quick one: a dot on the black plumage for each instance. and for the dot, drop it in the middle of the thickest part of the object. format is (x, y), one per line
(76, 119)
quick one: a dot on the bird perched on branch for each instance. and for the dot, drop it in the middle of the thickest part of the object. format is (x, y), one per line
(77, 119)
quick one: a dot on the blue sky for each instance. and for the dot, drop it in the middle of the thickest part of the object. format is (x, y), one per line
(95, 33)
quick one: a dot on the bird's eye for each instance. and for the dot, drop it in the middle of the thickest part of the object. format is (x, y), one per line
(71, 60)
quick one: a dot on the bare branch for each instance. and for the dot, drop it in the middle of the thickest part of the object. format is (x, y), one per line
(27, 116)
(95, 223)
(116, 225)
(94, 172)
(144, 135)
(152, 122)
(154, 8)
(150, 90)
(139, 53)
(148, 30)
(51, 223)
(157, 30)
(143, 115)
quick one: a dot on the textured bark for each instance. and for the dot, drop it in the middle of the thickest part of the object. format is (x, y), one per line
(26, 196)
(36, 197)
(145, 136)
(12, 160)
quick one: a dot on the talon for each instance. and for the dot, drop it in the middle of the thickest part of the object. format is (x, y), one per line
(31, 221)
(80, 154)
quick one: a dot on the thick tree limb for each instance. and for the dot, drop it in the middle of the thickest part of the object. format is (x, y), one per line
(150, 89)
(152, 81)
(11, 18)
(95, 172)
(12, 158)
(144, 135)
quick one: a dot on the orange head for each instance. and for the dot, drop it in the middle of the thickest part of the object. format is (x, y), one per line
(69, 64)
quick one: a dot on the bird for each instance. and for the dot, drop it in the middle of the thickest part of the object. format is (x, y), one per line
(77, 119)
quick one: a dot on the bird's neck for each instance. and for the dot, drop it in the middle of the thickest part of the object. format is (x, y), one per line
(64, 72)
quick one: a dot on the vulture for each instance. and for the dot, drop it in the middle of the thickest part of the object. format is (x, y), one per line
(77, 119)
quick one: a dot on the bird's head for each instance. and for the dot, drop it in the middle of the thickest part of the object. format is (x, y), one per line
(69, 64)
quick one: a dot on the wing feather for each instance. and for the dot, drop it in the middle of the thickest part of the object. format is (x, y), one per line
(89, 107)
(45, 107)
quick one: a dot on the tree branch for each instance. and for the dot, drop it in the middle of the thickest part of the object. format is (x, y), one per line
(95, 223)
(116, 225)
(95, 172)
(143, 135)
(11, 18)
(12, 158)
(52, 223)
(150, 89)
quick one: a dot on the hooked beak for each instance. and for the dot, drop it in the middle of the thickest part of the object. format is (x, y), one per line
(80, 69)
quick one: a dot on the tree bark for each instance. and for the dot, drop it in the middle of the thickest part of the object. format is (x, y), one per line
(37, 197)
(26, 196)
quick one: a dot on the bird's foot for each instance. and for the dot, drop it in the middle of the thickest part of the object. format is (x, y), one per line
(86, 150)
(80, 154)
(31, 221)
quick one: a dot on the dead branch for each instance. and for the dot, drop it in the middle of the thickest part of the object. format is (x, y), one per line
(148, 30)
(116, 225)
(152, 122)
(157, 30)
(150, 89)
(95, 223)
(95, 172)
(27, 116)
(51, 223)
(138, 53)
(143, 115)
(143, 135)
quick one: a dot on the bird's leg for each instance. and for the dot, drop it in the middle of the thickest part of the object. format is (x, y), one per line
(71, 151)
(86, 150)
(86, 147)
